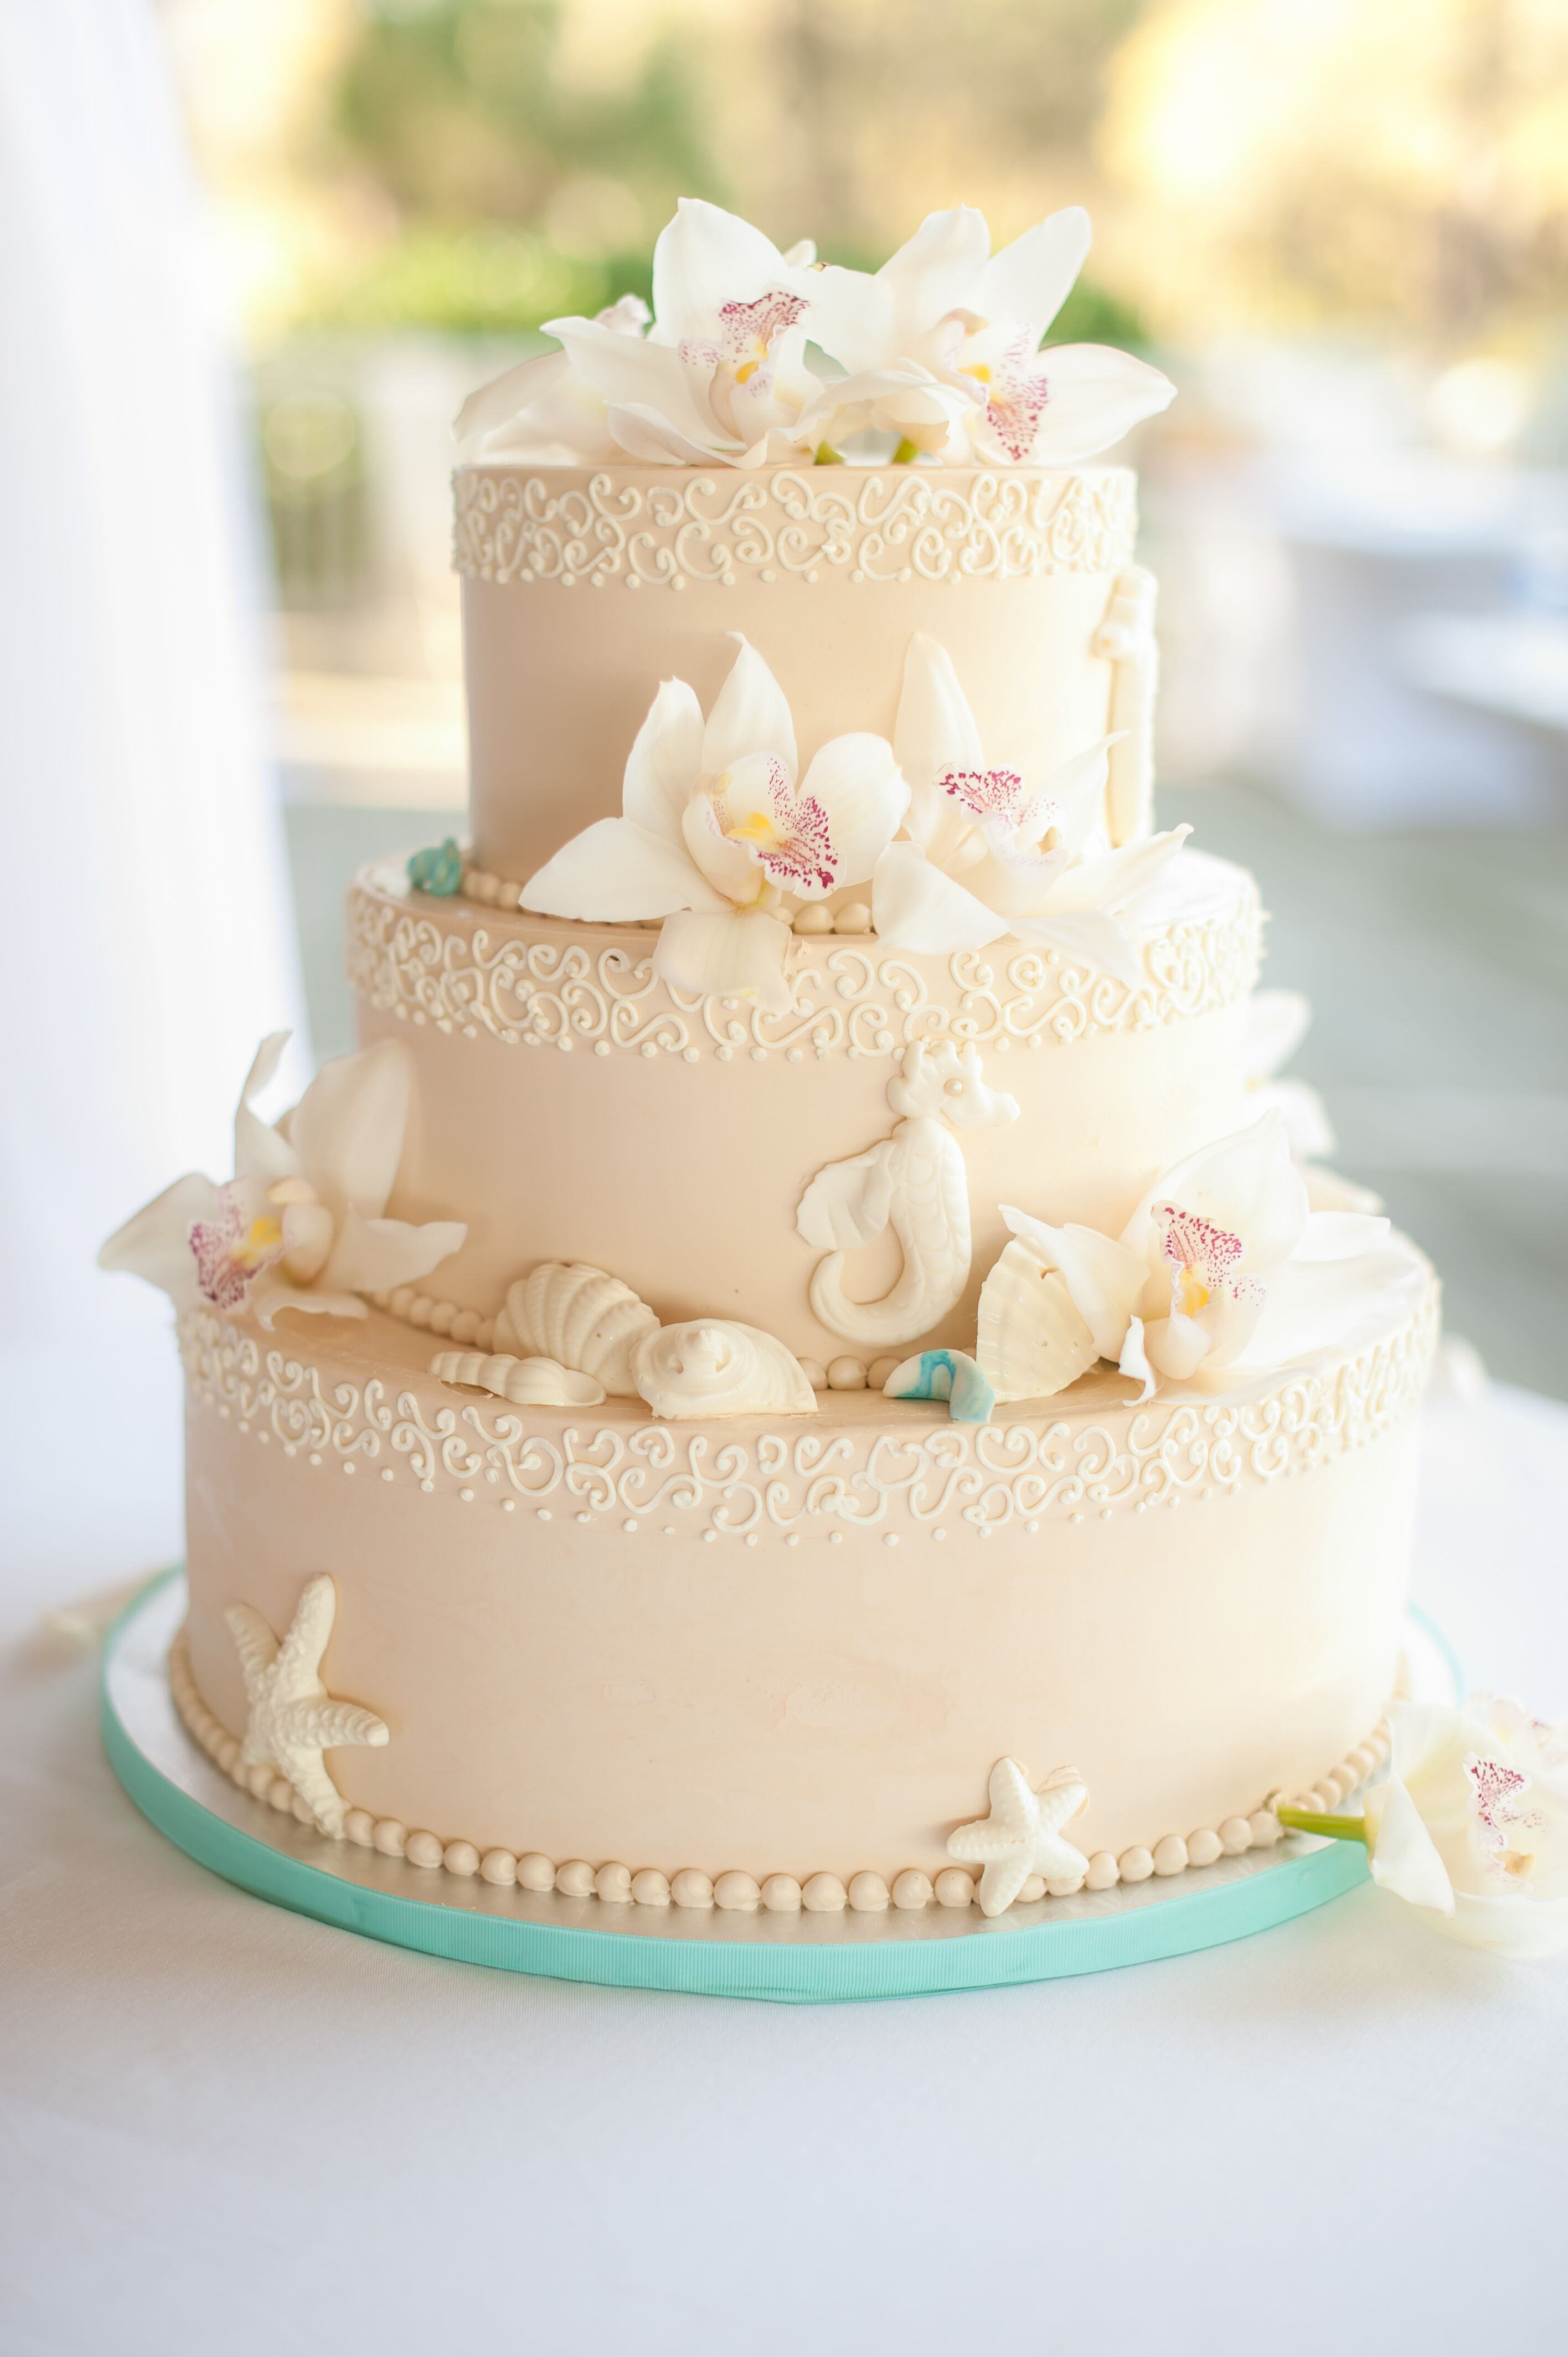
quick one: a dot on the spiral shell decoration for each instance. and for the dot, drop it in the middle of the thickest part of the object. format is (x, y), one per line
(713, 1367)
(1030, 1341)
(527, 1382)
(581, 1318)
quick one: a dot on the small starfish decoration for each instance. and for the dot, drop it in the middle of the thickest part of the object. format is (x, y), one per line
(291, 1718)
(1022, 1833)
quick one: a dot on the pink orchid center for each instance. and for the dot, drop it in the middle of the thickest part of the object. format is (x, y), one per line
(1497, 1788)
(1016, 389)
(1202, 1257)
(749, 329)
(786, 833)
(985, 794)
(231, 1251)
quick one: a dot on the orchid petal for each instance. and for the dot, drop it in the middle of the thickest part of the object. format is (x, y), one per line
(1094, 396)
(507, 397)
(728, 864)
(1341, 1235)
(1401, 1853)
(630, 371)
(1246, 1184)
(154, 1243)
(1328, 1304)
(704, 259)
(862, 790)
(736, 955)
(665, 761)
(348, 1128)
(1308, 1125)
(1113, 878)
(935, 731)
(1229, 1318)
(307, 1233)
(1031, 278)
(914, 906)
(1175, 1346)
(615, 872)
(1102, 1278)
(271, 1295)
(936, 272)
(1078, 791)
(260, 1150)
(639, 431)
(750, 714)
(372, 1255)
(1089, 938)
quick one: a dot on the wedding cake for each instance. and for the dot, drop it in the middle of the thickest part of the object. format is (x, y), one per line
(801, 1363)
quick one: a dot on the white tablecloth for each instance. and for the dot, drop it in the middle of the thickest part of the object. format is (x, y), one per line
(227, 2128)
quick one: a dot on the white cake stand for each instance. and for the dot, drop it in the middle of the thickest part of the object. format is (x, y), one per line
(793, 1959)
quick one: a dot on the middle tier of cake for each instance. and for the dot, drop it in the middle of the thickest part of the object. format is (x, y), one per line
(569, 1106)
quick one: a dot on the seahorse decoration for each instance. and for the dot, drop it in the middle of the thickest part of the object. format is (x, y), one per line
(1127, 638)
(913, 1182)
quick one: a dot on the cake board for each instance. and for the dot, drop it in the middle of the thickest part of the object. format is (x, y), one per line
(801, 1960)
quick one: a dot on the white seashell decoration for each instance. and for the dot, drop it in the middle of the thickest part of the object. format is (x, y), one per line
(1030, 1341)
(527, 1382)
(713, 1367)
(575, 1313)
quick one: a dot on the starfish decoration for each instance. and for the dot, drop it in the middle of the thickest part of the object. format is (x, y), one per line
(291, 1718)
(1022, 1836)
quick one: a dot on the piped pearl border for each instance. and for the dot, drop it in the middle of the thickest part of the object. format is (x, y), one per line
(867, 1893)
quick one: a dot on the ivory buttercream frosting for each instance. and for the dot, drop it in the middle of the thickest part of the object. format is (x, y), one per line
(826, 1382)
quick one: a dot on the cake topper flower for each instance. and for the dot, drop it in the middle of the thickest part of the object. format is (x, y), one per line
(1471, 1825)
(946, 314)
(721, 837)
(941, 349)
(300, 1224)
(1223, 1273)
(720, 375)
(989, 853)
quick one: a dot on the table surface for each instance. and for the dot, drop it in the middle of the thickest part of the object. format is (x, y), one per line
(227, 2126)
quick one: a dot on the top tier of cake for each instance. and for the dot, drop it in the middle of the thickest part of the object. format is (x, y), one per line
(584, 587)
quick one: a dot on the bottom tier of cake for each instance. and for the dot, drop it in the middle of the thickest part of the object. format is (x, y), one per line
(777, 1660)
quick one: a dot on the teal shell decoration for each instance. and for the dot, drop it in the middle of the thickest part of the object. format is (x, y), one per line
(440, 871)
(950, 1375)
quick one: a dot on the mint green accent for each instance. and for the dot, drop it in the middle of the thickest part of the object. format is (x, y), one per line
(827, 455)
(1314, 1820)
(873, 1965)
(950, 1375)
(906, 453)
(437, 872)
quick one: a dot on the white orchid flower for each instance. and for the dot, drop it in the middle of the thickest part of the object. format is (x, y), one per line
(988, 855)
(1471, 1824)
(721, 837)
(720, 374)
(300, 1224)
(1223, 1273)
(542, 411)
(1277, 1022)
(945, 311)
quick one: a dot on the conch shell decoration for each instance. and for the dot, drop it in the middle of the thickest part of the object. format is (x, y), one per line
(580, 1318)
(713, 1367)
(1030, 1341)
(527, 1382)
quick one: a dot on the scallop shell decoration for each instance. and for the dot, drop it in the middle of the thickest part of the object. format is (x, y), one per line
(580, 1318)
(713, 1367)
(1030, 1341)
(527, 1382)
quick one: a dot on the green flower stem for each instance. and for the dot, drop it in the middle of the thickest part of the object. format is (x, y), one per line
(827, 455)
(1308, 1821)
(905, 451)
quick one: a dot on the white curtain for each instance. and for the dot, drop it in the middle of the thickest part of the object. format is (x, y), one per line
(146, 941)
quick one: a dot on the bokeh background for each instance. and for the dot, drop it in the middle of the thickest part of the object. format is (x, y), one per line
(1342, 228)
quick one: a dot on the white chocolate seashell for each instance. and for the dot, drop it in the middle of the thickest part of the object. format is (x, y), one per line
(527, 1382)
(713, 1367)
(582, 1318)
(1029, 1341)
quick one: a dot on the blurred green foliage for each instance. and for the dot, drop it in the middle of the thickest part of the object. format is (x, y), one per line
(523, 194)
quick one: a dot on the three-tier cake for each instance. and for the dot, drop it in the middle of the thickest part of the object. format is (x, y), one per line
(798, 1365)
